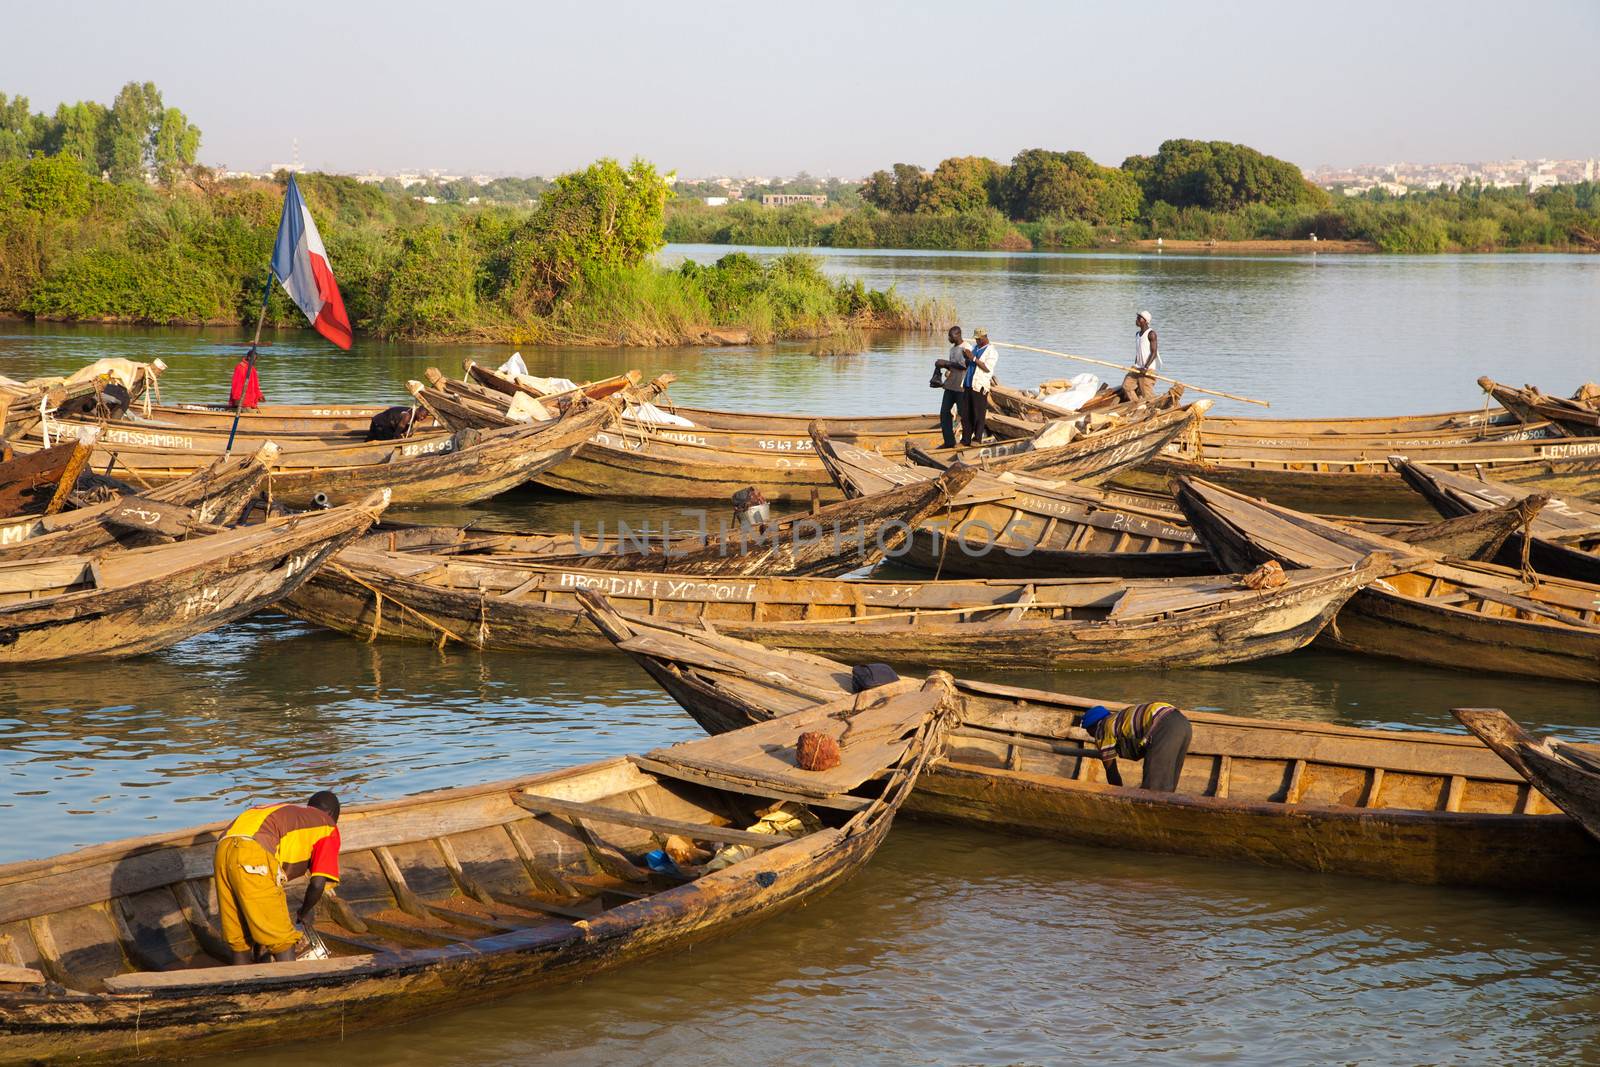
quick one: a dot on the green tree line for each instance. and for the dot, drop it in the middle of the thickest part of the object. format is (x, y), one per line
(1187, 190)
(123, 227)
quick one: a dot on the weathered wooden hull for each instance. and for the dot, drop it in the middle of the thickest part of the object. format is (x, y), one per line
(1089, 460)
(1570, 778)
(1352, 485)
(468, 873)
(433, 469)
(1569, 418)
(655, 467)
(1463, 616)
(540, 610)
(1412, 807)
(215, 496)
(1565, 539)
(213, 581)
(1517, 852)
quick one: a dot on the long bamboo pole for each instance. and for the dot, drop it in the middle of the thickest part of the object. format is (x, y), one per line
(1123, 367)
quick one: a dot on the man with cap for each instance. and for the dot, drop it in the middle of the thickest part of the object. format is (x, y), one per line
(976, 383)
(1140, 383)
(1155, 732)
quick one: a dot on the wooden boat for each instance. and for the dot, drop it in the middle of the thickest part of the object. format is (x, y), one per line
(1015, 525)
(829, 542)
(1563, 538)
(1096, 456)
(430, 469)
(1569, 417)
(126, 603)
(1353, 479)
(317, 420)
(1015, 404)
(1446, 422)
(1409, 806)
(1063, 624)
(1450, 613)
(41, 481)
(452, 897)
(642, 461)
(759, 430)
(214, 497)
(1568, 774)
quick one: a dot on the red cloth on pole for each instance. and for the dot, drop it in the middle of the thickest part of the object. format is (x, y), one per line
(246, 390)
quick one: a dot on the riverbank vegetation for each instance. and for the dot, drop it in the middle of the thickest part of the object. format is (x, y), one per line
(1209, 191)
(105, 218)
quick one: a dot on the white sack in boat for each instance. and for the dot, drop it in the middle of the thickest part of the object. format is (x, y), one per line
(546, 386)
(525, 408)
(513, 367)
(1057, 433)
(651, 415)
(1080, 389)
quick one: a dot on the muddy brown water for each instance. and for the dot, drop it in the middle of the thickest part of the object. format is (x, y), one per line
(953, 947)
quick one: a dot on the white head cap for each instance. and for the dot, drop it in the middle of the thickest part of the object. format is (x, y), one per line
(1145, 315)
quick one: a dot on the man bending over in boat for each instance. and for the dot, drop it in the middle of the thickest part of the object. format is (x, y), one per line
(1155, 732)
(264, 850)
(245, 394)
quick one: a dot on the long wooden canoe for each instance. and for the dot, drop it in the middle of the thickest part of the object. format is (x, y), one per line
(1570, 417)
(1014, 526)
(1354, 479)
(1066, 624)
(1097, 455)
(430, 469)
(1406, 806)
(1450, 613)
(1019, 526)
(639, 461)
(760, 430)
(1567, 774)
(216, 496)
(126, 603)
(1563, 538)
(453, 897)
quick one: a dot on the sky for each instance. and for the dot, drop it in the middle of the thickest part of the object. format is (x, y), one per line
(832, 88)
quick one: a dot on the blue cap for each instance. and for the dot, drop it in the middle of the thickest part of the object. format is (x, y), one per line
(1095, 716)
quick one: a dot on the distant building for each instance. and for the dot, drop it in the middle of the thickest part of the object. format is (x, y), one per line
(292, 168)
(786, 199)
(715, 201)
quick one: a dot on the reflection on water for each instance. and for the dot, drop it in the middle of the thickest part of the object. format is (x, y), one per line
(953, 947)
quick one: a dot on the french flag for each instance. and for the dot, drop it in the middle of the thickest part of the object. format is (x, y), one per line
(301, 264)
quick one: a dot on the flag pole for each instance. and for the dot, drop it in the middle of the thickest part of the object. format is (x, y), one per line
(261, 317)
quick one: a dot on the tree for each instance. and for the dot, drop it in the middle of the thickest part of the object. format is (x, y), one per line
(135, 116)
(1220, 176)
(173, 145)
(20, 128)
(80, 131)
(963, 183)
(603, 217)
(903, 189)
(1044, 184)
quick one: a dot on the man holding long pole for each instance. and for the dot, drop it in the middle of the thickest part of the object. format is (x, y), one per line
(300, 263)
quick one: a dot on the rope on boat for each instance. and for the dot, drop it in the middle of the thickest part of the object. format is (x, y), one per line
(377, 598)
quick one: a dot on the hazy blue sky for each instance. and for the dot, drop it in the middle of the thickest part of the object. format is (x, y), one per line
(842, 88)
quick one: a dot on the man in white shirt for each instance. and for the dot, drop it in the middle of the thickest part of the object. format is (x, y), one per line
(1140, 383)
(979, 378)
(954, 374)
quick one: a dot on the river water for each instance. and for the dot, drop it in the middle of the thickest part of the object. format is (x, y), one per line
(953, 947)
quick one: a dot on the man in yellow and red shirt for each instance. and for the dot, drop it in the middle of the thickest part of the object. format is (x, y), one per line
(264, 850)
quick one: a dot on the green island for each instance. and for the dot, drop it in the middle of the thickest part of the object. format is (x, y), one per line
(105, 217)
(1189, 195)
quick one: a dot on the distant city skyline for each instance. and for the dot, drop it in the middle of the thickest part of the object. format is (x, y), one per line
(504, 88)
